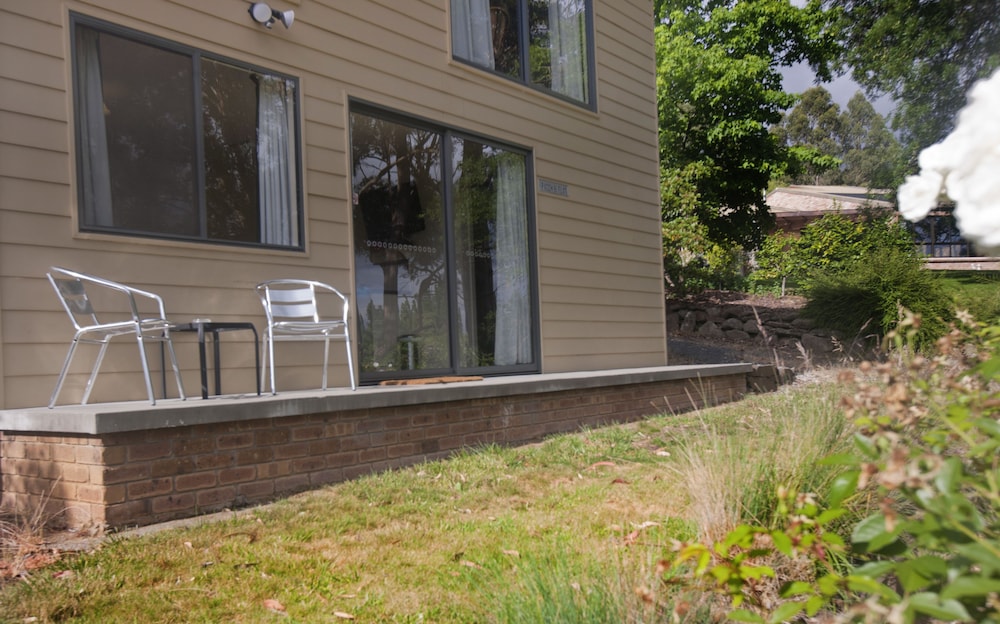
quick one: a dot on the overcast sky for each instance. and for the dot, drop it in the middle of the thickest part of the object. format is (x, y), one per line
(799, 78)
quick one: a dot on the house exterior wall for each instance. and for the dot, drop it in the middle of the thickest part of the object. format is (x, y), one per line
(598, 248)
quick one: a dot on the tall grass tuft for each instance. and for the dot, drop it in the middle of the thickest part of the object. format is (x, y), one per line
(732, 473)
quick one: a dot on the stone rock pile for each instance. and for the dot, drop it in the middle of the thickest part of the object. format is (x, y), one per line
(776, 327)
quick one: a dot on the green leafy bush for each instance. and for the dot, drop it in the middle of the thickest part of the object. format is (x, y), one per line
(825, 246)
(925, 454)
(867, 294)
(693, 263)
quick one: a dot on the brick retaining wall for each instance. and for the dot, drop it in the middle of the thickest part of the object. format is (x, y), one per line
(119, 479)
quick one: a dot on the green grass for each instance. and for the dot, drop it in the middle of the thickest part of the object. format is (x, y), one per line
(570, 530)
(975, 291)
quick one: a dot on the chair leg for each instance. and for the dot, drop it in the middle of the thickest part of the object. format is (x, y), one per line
(274, 390)
(326, 359)
(93, 373)
(263, 368)
(62, 373)
(145, 368)
(350, 360)
(177, 370)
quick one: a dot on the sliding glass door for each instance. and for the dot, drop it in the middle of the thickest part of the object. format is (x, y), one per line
(443, 262)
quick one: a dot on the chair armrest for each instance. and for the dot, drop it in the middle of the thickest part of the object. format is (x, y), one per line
(130, 292)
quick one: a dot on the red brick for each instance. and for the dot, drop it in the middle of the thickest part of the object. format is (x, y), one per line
(272, 436)
(90, 493)
(196, 481)
(38, 452)
(330, 475)
(75, 473)
(324, 447)
(13, 450)
(307, 433)
(171, 467)
(287, 451)
(254, 456)
(308, 464)
(149, 450)
(236, 475)
(402, 450)
(128, 512)
(149, 487)
(367, 456)
(63, 453)
(216, 498)
(292, 483)
(273, 469)
(113, 455)
(339, 429)
(235, 440)
(193, 446)
(173, 503)
(128, 472)
(214, 462)
(256, 490)
(350, 443)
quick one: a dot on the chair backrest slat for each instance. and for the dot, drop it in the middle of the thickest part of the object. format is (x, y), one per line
(294, 310)
(73, 296)
(290, 295)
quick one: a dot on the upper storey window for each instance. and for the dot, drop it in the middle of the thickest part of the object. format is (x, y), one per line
(544, 43)
(175, 143)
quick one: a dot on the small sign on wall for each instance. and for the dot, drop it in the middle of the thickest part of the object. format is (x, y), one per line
(553, 188)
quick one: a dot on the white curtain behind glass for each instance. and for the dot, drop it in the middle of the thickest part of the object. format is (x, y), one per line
(276, 162)
(94, 168)
(569, 55)
(510, 270)
(472, 31)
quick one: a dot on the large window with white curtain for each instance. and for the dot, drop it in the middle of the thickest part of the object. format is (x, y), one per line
(443, 239)
(544, 43)
(175, 143)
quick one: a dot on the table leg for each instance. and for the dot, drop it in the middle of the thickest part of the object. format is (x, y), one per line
(201, 360)
(218, 363)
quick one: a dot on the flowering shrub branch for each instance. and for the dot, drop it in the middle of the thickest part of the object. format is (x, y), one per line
(926, 450)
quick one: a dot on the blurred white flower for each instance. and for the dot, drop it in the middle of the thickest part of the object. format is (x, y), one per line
(965, 166)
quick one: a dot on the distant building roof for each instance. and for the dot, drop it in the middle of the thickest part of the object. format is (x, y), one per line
(795, 206)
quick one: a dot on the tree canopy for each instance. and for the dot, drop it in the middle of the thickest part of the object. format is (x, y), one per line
(926, 55)
(835, 146)
(719, 89)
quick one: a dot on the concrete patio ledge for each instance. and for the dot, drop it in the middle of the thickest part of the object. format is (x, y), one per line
(114, 465)
(104, 418)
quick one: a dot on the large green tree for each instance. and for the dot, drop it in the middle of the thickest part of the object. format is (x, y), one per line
(851, 146)
(925, 54)
(719, 88)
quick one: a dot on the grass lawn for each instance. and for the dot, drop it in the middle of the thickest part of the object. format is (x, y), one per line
(977, 291)
(569, 530)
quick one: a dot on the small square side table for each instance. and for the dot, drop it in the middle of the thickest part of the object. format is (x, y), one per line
(214, 328)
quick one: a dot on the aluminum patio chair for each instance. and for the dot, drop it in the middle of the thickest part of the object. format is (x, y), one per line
(71, 287)
(294, 313)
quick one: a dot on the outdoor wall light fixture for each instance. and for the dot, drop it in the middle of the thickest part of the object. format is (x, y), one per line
(263, 14)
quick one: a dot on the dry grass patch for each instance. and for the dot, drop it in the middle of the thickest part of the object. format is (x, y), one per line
(570, 530)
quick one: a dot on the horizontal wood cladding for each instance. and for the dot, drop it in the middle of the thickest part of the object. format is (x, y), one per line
(598, 247)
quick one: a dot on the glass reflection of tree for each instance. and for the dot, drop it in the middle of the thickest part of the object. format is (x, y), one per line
(475, 223)
(399, 228)
(229, 113)
(147, 95)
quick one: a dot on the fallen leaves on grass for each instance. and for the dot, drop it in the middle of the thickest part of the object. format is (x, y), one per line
(274, 605)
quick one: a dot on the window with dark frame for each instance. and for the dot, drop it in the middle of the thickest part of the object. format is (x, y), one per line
(542, 43)
(443, 241)
(173, 142)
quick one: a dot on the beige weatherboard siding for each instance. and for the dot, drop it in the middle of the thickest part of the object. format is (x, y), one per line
(598, 247)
